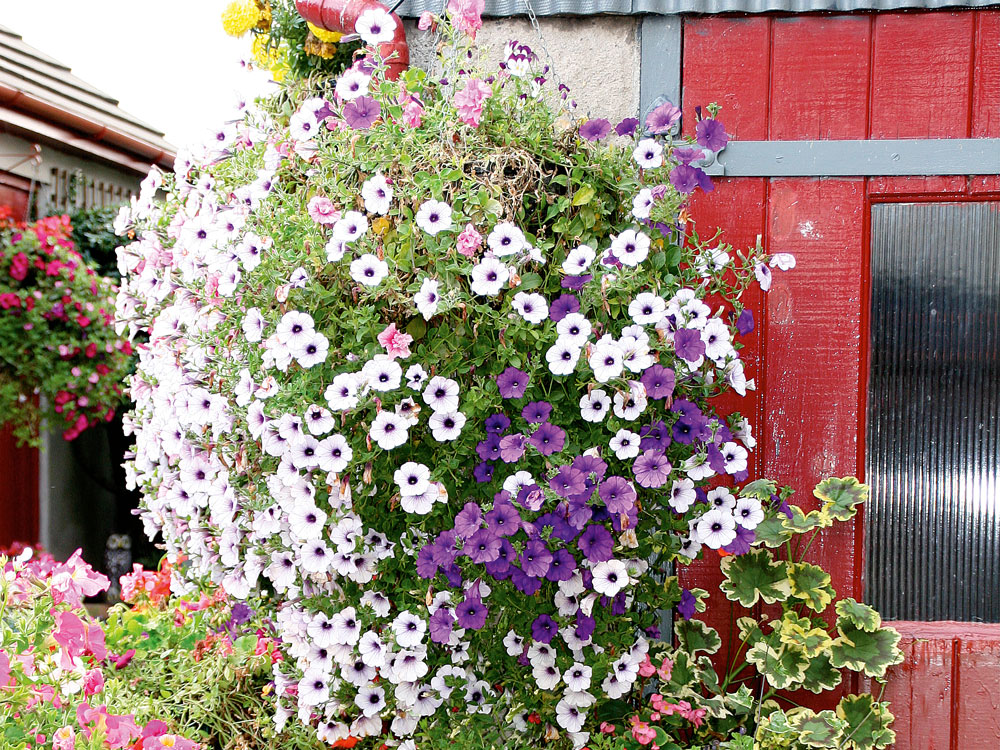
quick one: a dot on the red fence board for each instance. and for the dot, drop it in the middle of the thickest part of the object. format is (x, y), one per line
(921, 84)
(819, 79)
(986, 90)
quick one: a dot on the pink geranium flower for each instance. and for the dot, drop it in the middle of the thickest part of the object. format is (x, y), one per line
(467, 15)
(322, 210)
(469, 101)
(395, 342)
(469, 241)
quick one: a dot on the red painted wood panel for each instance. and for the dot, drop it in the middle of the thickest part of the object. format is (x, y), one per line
(18, 466)
(814, 348)
(726, 60)
(921, 87)
(819, 79)
(950, 185)
(986, 90)
(977, 720)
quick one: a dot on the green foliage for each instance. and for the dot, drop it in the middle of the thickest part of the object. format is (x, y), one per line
(867, 723)
(95, 239)
(755, 576)
(863, 651)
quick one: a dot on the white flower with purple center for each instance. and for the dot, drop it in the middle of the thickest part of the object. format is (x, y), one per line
(631, 247)
(409, 629)
(302, 126)
(334, 454)
(648, 154)
(369, 270)
(546, 676)
(610, 577)
(531, 306)
(335, 249)
(375, 26)
(371, 700)
(352, 84)
(377, 194)
(416, 377)
(388, 430)
(489, 276)
(506, 239)
(412, 478)
(625, 444)
(562, 357)
(630, 404)
(682, 495)
(294, 328)
(748, 512)
(647, 309)
(441, 394)
(606, 360)
(578, 260)
(716, 528)
(350, 227)
(642, 204)
(312, 351)
(434, 216)
(342, 393)
(318, 420)
(574, 329)
(717, 338)
(735, 457)
(382, 374)
(721, 497)
(577, 677)
(594, 406)
(313, 689)
(446, 426)
(427, 299)
(254, 325)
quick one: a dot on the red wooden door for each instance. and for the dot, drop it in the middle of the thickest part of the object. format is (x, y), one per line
(18, 466)
(846, 76)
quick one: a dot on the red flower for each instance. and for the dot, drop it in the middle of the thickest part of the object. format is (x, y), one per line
(19, 266)
(83, 320)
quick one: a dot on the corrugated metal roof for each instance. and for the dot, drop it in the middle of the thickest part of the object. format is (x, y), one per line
(31, 71)
(412, 8)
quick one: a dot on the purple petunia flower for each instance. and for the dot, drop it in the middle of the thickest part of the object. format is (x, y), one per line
(689, 345)
(655, 436)
(595, 130)
(627, 126)
(661, 119)
(482, 547)
(557, 522)
(501, 567)
(688, 429)
(362, 113)
(544, 629)
(504, 519)
(580, 512)
(489, 449)
(687, 154)
(686, 179)
(686, 607)
(715, 459)
(536, 412)
(512, 383)
(536, 558)
(562, 566)
(562, 306)
(711, 135)
(512, 447)
(468, 520)
(472, 612)
(576, 283)
(596, 543)
(548, 439)
(531, 497)
(652, 469)
(527, 585)
(659, 382)
(454, 575)
(741, 544)
(618, 494)
(591, 465)
(744, 323)
(585, 625)
(567, 481)
(483, 472)
(497, 423)
(426, 567)
(440, 625)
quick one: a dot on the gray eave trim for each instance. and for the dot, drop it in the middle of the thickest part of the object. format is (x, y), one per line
(413, 8)
(946, 156)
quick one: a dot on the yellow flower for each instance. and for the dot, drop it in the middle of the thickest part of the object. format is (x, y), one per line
(323, 35)
(240, 16)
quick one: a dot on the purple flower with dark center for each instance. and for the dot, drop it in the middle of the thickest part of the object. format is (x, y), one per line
(512, 383)
(567, 481)
(562, 566)
(440, 624)
(685, 408)
(527, 585)
(504, 519)
(557, 522)
(595, 130)
(655, 436)
(544, 629)
(688, 429)
(661, 119)
(579, 513)
(426, 567)
(240, 614)
(618, 604)
(659, 382)
(536, 558)
(744, 323)
(596, 543)
(722, 432)
(687, 605)
(576, 283)
(482, 547)
(468, 520)
(483, 472)
(531, 497)
(445, 549)
(489, 449)
(454, 575)
(618, 494)
(686, 179)
(472, 612)
(741, 544)
(536, 412)
(362, 113)
(497, 423)
(591, 465)
(585, 625)
(627, 126)
(688, 344)
(716, 459)
(687, 154)
(652, 469)
(562, 306)
(501, 567)
(512, 447)
(548, 439)
(711, 135)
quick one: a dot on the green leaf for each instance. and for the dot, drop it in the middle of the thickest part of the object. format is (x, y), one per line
(417, 328)
(811, 584)
(867, 723)
(530, 280)
(860, 615)
(824, 729)
(762, 489)
(841, 496)
(801, 523)
(782, 666)
(862, 651)
(799, 632)
(584, 195)
(754, 576)
(821, 675)
(772, 532)
(695, 636)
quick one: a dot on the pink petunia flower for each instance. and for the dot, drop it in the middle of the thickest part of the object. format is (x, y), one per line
(469, 101)
(413, 111)
(467, 15)
(469, 241)
(322, 211)
(395, 342)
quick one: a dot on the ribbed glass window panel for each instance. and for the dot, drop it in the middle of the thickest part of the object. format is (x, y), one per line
(933, 449)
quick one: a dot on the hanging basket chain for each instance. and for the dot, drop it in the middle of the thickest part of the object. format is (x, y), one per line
(533, 20)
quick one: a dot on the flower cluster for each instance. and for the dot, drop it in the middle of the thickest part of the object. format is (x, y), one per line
(445, 400)
(57, 340)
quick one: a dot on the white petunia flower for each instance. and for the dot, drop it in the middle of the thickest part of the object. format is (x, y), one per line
(427, 299)
(352, 84)
(412, 478)
(625, 444)
(562, 357)
(642, 204)
(382, 374)
(716, 528)
(489, 276)
(506, 239)
(441, 394)
(254, 325)
(574, 329)
(434, 216)
(371, 700)
(630, 405)
(334, 454)
(631, 247)
(610, 577)
(532, 307)
(350, 227)
(388, 430)
(409, 629)
(682, 495)
(594, 406)
(377, 194)
(446, 426)
(748, 512)
(341, 394)
(735, 457)
(578, 260)
(335, 249)
(647, 309)
(369, 270)
(648, 154)
(606, 360)
(375, 26)
(577, 677)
